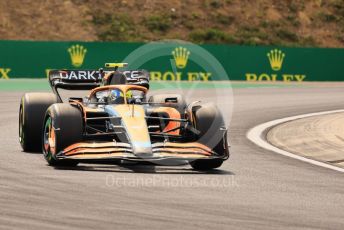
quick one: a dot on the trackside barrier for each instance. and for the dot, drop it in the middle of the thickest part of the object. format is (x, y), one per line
(34, 59)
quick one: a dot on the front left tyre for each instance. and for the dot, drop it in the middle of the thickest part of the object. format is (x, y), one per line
(209, 122)
(63, 126)
(31, 115)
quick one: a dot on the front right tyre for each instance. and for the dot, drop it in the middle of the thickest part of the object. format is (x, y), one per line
(63, 126)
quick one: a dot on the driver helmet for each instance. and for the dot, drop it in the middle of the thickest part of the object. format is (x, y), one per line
(115, 93)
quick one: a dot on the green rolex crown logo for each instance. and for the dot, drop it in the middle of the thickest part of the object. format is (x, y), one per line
(77, 54)
(181, 56)
(276, 58)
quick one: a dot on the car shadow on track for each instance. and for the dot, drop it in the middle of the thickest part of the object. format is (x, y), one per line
(32, 152)
(147, 169)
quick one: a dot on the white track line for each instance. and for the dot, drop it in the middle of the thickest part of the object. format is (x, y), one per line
(256, 136)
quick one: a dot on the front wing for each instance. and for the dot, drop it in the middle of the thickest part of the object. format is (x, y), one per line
(107, 151)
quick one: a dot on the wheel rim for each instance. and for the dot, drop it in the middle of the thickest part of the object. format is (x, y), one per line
(49, 139)
(21, 125)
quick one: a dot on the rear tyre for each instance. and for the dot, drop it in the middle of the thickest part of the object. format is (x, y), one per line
(208, 120)
(31, 115)
(63, 126)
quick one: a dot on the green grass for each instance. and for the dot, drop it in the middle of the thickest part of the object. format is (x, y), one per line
(24, 85)
(118, 27)
(214, 21)
(43, 85)
(211, 35)
(158, 23)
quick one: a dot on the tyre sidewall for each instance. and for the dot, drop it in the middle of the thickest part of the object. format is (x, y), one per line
(68, 124)
(208, 121)
(34, 106)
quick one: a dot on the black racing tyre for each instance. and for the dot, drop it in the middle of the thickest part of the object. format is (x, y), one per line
(63, 126)
(209, 122)
(206, 164)
(31, 115)
(178, 99)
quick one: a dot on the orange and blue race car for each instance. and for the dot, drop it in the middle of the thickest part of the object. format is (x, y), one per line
(118, 122)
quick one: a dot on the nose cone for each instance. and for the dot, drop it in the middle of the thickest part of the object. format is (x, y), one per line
(142, 149)
(134, 121)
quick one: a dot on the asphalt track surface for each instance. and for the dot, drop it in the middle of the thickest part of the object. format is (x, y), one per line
(255, 189)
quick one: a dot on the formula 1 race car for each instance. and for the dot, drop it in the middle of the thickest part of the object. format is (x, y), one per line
(118, 122)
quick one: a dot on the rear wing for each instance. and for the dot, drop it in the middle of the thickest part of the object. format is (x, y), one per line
(90, 79)
(75, 79)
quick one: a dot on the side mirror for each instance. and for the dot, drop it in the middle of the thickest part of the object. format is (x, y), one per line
(85, 100)
(71, 99)
(138, 99)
